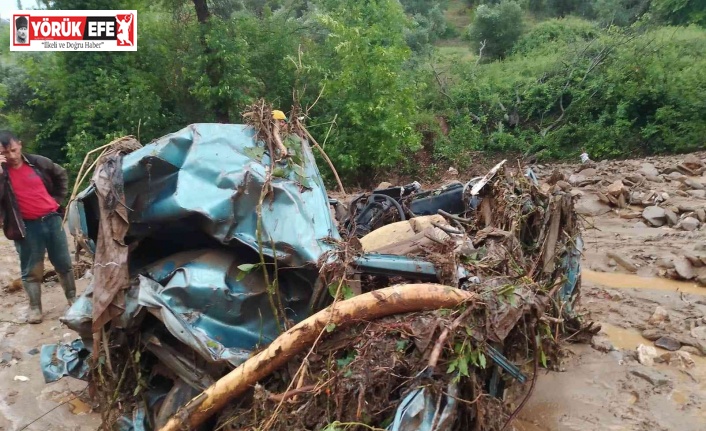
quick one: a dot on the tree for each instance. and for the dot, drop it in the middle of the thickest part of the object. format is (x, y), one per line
(496, 28)
(360, 65)
(680, 12)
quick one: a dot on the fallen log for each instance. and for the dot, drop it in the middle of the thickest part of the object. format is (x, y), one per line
(403, 298)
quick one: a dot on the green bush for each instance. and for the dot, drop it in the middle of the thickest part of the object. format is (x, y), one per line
(496, 28)
(547, 35)
(616, 94)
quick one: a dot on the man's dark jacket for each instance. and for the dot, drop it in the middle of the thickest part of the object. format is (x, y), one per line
(55, 180)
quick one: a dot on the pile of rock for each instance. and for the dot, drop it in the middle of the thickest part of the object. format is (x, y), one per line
(690, 265)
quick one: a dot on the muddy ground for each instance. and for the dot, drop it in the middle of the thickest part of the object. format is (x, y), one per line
(598, 386)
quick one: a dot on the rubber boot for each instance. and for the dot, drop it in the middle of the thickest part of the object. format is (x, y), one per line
(34, 292)
(68, 283)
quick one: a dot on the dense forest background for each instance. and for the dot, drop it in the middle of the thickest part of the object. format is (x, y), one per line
(417, 85)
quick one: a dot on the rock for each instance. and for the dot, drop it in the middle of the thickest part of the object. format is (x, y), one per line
(665, 196)
(646, 355)
(563, 185)
(698, 194)
(630, 215)
(640, 225)
(675, 176)
(692, 162)
(694, 260)
(649, 170)
(653, 376)
(701, 279)
(654, 178)
(660, 315)
(682, 193)
(452, 171)
(665, 262)
(583, 177)
(635, 178)
(683, 268)
(6, 358)
(653, 334)
(590, 205)
(589, 172)
(691, 350)
(33, 351)
(602, 344)
(668, 343)
(617, 188)
(699, 332)
(603, 198)
(672, 218)
(623, 261)
(383, 185)
(693, 184)
(689, 224)
(701, 215)
(679, 358)
(655, 216)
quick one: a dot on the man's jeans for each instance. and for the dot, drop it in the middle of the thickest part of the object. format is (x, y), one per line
(43, 235)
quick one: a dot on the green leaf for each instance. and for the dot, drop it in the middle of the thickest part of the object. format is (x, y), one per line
(543, 358)
(245, 269)
(401, 345)
(481, 359)
(330, 327)
(452, 366)
(463, 366)
(248, 267)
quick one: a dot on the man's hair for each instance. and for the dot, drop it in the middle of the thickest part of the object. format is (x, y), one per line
(21, 22)
(6, 137)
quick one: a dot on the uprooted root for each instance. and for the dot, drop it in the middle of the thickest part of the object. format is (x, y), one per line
(357, 377)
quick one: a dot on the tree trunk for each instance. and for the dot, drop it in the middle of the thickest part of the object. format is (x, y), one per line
(368, 306)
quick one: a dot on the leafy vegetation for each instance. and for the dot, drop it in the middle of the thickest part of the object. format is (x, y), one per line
(386, 79)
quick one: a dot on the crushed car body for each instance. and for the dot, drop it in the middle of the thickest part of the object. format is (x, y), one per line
(206, 249)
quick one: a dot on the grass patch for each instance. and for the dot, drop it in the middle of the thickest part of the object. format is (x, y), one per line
(458, 15)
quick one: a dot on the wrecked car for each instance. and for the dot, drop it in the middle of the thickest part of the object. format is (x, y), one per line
(209, 251)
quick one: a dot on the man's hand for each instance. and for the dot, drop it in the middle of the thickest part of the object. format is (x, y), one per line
(3, 159)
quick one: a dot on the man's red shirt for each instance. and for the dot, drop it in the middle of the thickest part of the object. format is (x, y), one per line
(32, 197)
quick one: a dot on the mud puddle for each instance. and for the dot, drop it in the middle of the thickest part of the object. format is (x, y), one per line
(631, 281)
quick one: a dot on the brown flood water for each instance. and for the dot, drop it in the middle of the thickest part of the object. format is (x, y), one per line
(628, 281)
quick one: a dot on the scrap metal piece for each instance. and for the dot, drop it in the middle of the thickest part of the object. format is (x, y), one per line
(489, 176)
(59, 360)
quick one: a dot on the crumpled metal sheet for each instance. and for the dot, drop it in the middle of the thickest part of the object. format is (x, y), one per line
(212, 175)
(198, 296)
(420, 411)
(59, 360)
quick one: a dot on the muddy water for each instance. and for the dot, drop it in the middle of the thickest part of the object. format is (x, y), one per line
(629, 339)
(627, 281)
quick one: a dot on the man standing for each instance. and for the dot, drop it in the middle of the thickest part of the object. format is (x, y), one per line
(31, 189)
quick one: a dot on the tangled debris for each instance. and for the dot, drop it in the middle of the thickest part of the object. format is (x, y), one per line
(247, 306)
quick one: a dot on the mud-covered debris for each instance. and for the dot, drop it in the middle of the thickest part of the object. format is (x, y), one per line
(653, 376)
(668, 343)
(623, 261)
(679, 359)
